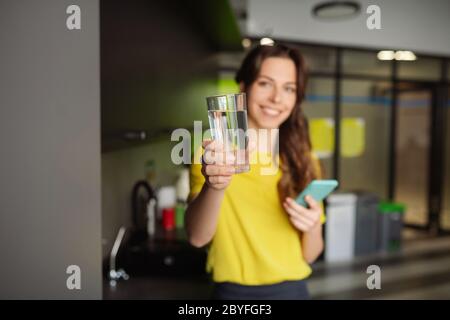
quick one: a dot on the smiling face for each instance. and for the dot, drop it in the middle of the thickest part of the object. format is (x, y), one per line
(272, 96)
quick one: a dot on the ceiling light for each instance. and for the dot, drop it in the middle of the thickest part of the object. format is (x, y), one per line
(386, 55)
(266, 42)
(336, 10)
(246, 43)
(405, 56)
(397, 55)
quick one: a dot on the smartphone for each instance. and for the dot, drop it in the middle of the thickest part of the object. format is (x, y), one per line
(318, 189)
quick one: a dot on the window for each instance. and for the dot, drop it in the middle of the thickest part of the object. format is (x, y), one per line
(420, 69)
(365, 131)
(365, 63)
(318, 107)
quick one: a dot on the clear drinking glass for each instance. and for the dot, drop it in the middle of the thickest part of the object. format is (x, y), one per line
(227, 116)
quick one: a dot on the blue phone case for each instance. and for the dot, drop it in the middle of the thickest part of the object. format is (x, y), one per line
(318, 189)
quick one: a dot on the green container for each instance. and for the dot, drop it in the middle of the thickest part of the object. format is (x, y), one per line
(179, 216)
(391, 207)
(390, 226)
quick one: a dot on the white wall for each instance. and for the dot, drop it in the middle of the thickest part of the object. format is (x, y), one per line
(422, 26)
(50, 150)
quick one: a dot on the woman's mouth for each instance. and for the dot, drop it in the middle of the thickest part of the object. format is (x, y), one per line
(271, 112)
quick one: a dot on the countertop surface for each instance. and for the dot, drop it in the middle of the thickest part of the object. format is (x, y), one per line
(165, 266)
(161, 287)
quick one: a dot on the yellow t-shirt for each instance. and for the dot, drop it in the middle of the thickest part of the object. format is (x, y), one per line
(254, 243)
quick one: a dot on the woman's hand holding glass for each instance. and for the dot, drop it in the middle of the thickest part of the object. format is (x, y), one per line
(217, 165)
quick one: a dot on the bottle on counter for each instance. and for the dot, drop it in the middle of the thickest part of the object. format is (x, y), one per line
(182, 188)
(150, 172)
(151, 217)
(168, 219)
(182, 185)
(179, 215)
(167, 198)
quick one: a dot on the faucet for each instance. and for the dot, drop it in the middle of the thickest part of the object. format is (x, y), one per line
(115, 274)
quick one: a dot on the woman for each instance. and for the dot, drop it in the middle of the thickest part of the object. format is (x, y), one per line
(260, 241)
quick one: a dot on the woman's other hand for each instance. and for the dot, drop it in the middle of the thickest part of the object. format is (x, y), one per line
(303, 219)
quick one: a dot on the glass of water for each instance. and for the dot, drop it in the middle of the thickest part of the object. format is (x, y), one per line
(227, 116)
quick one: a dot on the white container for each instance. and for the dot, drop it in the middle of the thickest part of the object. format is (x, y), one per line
(167, 198)
(182, 185)
(340, 227)
(151, 217)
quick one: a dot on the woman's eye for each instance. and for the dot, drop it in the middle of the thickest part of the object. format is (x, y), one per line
(264, 84)
(290, 89)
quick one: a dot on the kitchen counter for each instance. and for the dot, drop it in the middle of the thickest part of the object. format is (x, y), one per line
(152, 287)
(165, 266)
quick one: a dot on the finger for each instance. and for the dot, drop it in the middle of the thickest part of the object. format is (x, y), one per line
(215, 170)
(313, 204)
(291, 211)
(299, 225)
(302, 219)
(229, 158)
(208, 158)
(212, 170)
(297, 207)
(220, 186)
(222, 158)
(223, 180)
(299, 216)
(303, 214)
(207, 142)
(215, 146)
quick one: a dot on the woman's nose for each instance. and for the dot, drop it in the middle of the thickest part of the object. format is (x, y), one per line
(276, 95)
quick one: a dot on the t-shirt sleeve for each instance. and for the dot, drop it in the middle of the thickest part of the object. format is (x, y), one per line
(318, 170)
(196, 179)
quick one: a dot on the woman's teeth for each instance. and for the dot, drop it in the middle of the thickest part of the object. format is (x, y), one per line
(270, 111)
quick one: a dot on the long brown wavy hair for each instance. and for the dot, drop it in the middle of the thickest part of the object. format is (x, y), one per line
(294, 143)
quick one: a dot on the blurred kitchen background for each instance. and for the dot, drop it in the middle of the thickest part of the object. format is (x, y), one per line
(87, 117)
